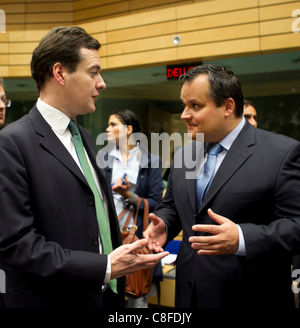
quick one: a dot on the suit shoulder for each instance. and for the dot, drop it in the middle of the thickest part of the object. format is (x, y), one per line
(16, 128)
(276, 140)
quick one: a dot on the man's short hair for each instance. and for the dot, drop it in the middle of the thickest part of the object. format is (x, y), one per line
(248, 103)
(223, 85)
(61, 45)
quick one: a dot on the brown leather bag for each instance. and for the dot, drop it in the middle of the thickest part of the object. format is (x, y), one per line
(138, 283)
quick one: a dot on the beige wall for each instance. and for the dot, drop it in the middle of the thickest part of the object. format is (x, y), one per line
(134, 34)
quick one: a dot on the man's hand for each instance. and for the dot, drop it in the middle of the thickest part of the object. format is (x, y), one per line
(156, 234)
(124, 260)
(224, 239)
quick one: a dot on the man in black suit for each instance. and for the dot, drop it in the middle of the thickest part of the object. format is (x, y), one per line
(239, 239)
(51, 247)
(3, 102)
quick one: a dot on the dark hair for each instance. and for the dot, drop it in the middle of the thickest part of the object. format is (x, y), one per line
(248, 103)
(60, 45)
(223, 85)
(127, 117)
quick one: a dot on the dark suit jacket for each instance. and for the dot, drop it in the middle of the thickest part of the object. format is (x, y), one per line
(258, 187)
(48, 238)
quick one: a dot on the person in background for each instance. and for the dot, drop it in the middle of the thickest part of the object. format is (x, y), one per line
(143, 178)
(250, 112)
(60, 242)
(4, 103)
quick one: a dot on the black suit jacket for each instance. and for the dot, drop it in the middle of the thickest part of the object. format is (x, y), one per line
(48, 238)
(258, 187)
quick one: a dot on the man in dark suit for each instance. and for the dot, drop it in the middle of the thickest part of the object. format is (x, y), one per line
(239, 239)
(51, 247)
(4, 103)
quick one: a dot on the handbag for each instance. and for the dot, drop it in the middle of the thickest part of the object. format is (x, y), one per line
(138, 283)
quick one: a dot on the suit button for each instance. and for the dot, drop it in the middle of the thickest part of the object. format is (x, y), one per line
(190, 283)
(90, 201)
(95, 241)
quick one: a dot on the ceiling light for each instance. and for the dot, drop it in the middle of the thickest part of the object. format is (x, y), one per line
(176, 40)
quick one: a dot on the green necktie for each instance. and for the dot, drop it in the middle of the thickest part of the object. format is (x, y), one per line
(100, 211)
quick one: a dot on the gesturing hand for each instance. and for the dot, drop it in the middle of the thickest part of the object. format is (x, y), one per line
(124, 260)
(156, 234)
(224, 239)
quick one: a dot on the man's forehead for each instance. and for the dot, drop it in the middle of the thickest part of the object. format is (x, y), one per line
(2, 93)
(199, 83)
(91, 57)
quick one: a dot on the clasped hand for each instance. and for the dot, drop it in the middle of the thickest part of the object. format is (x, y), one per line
(224, 238)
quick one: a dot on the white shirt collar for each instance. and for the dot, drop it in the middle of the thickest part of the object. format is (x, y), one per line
(55, 118)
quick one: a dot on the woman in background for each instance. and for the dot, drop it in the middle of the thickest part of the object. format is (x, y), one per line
(143, 177)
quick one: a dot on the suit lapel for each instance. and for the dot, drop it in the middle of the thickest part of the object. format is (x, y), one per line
(234, 159)
(92, 153)
(195, 152)
(52, 144)
(191, 187)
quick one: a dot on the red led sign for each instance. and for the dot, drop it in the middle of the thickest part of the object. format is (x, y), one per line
(174, 72)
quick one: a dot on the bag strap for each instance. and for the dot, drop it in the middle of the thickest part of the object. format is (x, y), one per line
(146, 214)
(130, 215)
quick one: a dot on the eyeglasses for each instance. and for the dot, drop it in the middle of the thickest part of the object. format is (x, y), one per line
(6, 102)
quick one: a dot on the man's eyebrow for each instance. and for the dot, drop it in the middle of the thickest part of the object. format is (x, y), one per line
(95, 67)
(194, 100)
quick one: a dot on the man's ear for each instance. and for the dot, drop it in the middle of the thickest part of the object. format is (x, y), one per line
(59, 73)
(229, 107)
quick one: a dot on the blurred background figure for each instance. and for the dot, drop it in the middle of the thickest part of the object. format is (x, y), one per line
(3, 103)
(250, 112)
(143, 178)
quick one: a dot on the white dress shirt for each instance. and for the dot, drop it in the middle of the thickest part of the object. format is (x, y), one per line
(59, 123)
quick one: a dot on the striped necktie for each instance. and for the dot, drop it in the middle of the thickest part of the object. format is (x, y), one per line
(100, 210)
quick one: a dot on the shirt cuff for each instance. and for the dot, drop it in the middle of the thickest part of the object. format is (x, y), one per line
(108, 271)
(242, 246)
(133, 199)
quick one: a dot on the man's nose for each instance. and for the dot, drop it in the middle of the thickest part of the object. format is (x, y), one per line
(101, 85)
(186, 115)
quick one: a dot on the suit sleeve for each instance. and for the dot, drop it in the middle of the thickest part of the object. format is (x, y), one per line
(21, 247)
(282, 236)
